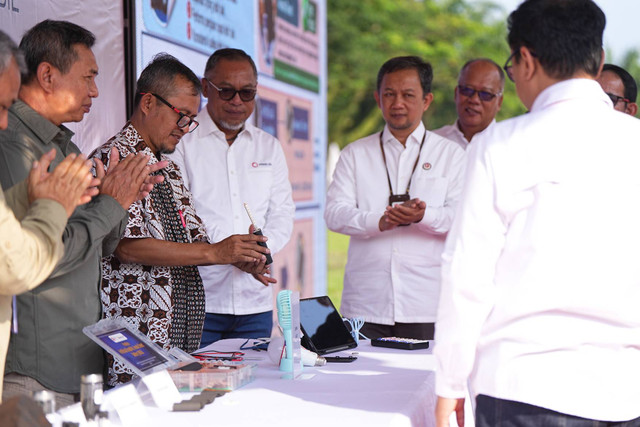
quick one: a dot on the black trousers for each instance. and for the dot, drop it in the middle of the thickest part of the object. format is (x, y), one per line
(493, 412)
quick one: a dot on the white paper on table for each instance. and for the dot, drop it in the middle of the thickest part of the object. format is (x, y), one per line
(127, 403)
(162, 389)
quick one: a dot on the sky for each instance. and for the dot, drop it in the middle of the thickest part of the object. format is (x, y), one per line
(621, 32)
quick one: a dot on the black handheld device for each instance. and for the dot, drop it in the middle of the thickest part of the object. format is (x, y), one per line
(402, 343)
(395, 199)
(258, 232)
(340, 359)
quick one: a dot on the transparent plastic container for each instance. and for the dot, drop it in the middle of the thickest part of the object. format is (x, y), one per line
(214, 376)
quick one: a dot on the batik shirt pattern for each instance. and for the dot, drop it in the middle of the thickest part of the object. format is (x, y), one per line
(141, 294)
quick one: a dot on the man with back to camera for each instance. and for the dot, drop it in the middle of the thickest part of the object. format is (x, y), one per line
(154, 265)
(50, 351)
(540, 282)
(478, 98)
(247, 165)
(33, 216)
(618, 84)
(395, 193)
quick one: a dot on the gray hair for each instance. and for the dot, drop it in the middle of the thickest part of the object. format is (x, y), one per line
(8, 50)
(53, 42)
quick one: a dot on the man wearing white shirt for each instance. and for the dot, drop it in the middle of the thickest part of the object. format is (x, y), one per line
(227, 162)
(478, 98)
(395, 193)
(541, 280)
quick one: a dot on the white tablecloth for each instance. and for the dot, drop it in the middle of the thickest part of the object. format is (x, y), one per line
(384, 387)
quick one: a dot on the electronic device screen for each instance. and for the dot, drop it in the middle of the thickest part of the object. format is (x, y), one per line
(323, 328)
(139, 354)
(135, 350)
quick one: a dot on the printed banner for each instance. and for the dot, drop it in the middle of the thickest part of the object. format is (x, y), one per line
(203, 25)
(288, 42)
(289, 119)
(293, 265)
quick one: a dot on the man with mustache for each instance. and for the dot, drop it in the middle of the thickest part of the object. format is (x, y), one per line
(478, 98)
(395, 194)
(226, 163)
(152, 280)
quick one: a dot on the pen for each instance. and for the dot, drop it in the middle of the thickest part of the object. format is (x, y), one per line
(184, 224)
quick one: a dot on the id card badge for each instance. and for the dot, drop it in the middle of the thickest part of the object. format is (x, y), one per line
(396, 199)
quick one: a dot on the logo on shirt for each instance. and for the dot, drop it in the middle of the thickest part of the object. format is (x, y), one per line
(426, 166)
(256, 164)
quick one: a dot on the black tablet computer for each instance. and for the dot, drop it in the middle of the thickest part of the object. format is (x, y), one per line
(323, 328)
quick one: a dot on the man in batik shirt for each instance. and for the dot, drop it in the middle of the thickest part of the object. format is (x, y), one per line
(152, 280)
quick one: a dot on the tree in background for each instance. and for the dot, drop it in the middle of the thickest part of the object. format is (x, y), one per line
(362, 35)
(631, 63)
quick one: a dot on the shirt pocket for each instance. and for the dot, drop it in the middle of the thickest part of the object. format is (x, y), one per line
(260, 180)
(432, 190)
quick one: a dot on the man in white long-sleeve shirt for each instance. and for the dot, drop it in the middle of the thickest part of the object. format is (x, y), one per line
(392, 277)
(541, 279)
(227, 162)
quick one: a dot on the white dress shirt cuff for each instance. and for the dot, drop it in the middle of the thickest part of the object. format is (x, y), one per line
(372, 224)
(450, 388)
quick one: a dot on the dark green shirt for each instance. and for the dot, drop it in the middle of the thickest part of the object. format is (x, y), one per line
(50, 346)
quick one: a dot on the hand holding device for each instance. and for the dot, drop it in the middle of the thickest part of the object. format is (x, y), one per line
(258, 232)
(395, 199)
(406, 213)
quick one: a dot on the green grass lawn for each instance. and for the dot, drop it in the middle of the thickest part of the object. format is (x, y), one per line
(337, 245)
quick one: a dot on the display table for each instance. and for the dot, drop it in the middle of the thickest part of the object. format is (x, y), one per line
(383, 387)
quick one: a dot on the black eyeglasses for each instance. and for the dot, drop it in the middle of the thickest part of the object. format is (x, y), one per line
(615, 98)
(227, 93)
(482, 94)
(507, 67)
(184, 121)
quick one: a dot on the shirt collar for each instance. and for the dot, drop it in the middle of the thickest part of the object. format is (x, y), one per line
(456, 127)
(415, 137)
(40, 126)
(134, 140)
(585, 89)
(208, 127)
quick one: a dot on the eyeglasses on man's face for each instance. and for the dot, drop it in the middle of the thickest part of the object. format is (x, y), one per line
(228, 93)
(184, 121)
(484, 95)
(615, 98)
(507, 67)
